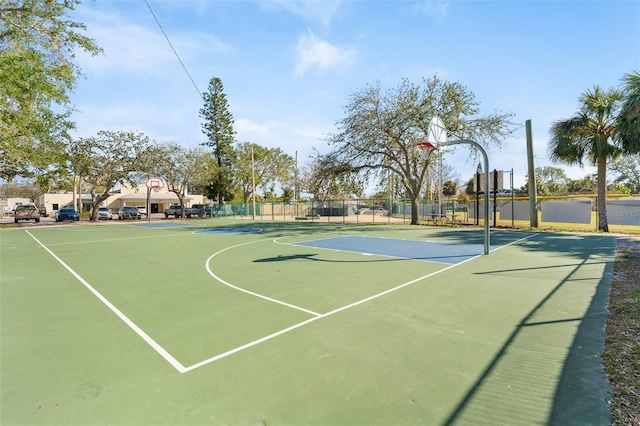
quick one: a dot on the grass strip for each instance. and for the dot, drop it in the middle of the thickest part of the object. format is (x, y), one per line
(621, 355)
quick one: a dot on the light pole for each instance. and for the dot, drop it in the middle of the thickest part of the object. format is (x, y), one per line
(253, 184)
(478, 172)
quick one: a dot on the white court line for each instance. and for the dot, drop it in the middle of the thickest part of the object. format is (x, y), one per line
(159, 349)
(114, 240)
(182, 369)
(389, 256)
(515, 242)
(335, 311)
(280, 302)
(310, 320)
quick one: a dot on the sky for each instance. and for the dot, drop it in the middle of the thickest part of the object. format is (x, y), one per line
(289, 67)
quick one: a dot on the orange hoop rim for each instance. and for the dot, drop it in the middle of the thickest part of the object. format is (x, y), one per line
(425, 145)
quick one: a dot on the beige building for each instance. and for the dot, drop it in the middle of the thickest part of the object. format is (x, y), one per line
(9, 204)
(159, 199)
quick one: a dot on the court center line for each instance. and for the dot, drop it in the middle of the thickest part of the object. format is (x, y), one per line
(159, 349)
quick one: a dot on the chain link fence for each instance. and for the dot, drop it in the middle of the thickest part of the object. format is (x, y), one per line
(580, 211)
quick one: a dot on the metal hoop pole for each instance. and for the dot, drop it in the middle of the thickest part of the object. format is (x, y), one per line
(486, 186)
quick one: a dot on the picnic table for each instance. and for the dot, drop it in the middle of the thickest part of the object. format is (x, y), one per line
(442, 219)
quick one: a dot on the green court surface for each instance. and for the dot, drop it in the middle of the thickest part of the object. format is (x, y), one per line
(221, 323)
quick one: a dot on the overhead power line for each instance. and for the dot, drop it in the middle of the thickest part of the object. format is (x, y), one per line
(174, 50)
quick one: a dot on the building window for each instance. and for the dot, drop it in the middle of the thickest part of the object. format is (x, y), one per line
(55, 206)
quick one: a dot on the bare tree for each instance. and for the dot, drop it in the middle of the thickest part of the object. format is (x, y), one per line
(381, 129)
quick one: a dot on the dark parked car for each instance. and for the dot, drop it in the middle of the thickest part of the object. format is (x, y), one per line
(67, 214)
(129, 213)
(204, 210)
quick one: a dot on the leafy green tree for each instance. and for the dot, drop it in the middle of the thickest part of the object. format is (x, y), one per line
(107, 160)
(470, 187)
(450, 188)
(628, 171)
(180, 168)
(618, 189)
(38, 44)
(218, 126)
(318, 179)
(550, 180)
(588, 184)
(629, 118)
(380, 131)
(270, 166)
(287, 195)
(22, 190)
(591, 135)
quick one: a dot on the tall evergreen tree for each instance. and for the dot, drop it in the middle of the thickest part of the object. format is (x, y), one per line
(218, 126)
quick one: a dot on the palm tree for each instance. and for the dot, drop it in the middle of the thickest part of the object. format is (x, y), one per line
(629, 118)
(592, 135)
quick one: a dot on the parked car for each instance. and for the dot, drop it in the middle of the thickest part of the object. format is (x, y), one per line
(104, 213)
(142, 210)
(67, 214)
(43, 211)
(176, 211)
(504, 193)
(203, 210)
(129, 213)
(373, 210)
(26, 213)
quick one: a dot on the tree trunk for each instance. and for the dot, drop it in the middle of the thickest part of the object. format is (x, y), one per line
(94, 211)
(603, 225)
(414, 209)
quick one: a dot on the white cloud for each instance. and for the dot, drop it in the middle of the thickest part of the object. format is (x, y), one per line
(129, 46)
(248, 129)
(316, 53)
(289, 137)
(177, 124)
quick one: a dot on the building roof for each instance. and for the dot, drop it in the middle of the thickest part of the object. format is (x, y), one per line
(155, 197)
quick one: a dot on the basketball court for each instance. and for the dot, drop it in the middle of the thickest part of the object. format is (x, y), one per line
(301, 323)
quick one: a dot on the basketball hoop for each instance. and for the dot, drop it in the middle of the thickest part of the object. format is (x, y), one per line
(436, 134)
(154, 183)
(426, 145)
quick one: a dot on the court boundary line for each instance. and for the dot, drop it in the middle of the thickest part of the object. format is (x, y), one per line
(141, 333)
(181, 368)
(304, 244)
(389, 256)
(337, 310)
